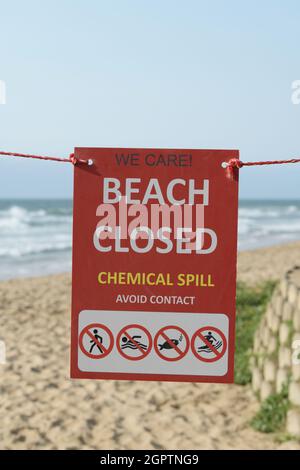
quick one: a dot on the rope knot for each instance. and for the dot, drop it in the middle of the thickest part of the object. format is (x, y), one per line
(73, 159)
(233, 165)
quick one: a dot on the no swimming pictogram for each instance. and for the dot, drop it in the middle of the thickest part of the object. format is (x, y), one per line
(171, 343)
(96, 341)
(209, 344)
(134, 342)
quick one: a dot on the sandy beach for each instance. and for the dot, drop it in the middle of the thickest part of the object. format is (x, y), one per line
(41, 408)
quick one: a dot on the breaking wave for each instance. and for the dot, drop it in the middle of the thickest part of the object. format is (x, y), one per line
(35, 236)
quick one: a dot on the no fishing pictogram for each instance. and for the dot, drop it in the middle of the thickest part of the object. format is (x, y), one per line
(134, 342)
(209, 344)
(96, 341)
(171, 343)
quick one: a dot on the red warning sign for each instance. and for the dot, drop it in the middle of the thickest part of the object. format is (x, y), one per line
(154, 237)
(209, 344)
(134, 342)
(171, 343)
(96, 341)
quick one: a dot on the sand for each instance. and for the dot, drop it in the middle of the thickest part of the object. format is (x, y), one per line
(267, 263)
(41, 408)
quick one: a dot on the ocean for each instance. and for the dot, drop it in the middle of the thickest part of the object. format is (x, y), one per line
(36, 235)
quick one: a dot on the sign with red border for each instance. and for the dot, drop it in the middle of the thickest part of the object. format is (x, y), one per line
(154, 238)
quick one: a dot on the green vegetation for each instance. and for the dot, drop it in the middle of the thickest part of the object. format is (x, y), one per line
(251, 305)
(272, 414)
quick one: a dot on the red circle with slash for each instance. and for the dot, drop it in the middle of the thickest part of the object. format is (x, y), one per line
(181, 353)
(199, 335)
(136, 345)
(106, 350)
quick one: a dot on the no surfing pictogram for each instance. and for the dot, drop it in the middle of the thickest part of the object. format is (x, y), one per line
(209, 344)
(134, 342)
(171, 343)
(96, 341)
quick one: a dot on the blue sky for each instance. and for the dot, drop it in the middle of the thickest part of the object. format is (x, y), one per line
(174, 74)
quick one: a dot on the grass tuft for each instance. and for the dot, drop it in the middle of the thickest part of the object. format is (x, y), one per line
(272, 414)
